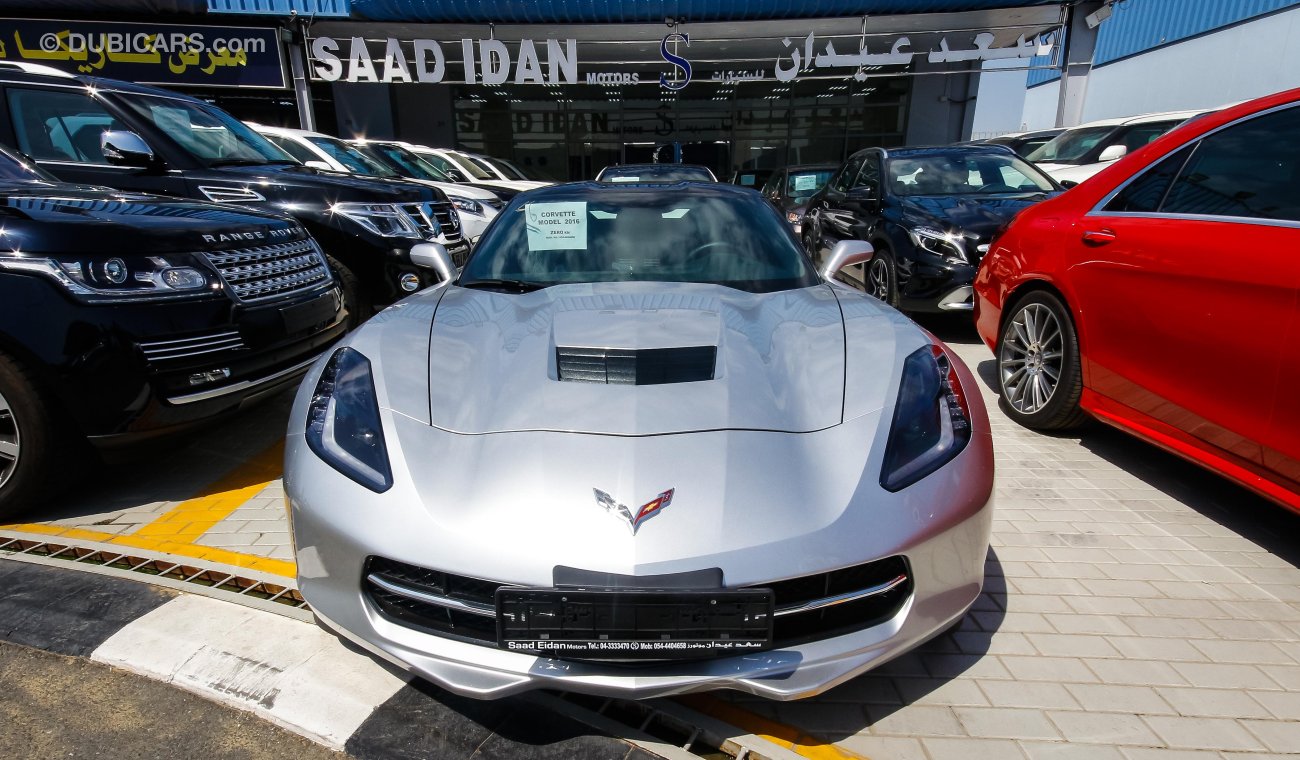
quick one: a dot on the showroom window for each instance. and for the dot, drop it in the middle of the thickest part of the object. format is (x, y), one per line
(1251, 169)
(59, 126)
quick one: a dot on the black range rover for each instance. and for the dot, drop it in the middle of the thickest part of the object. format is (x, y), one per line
(124, 316)
(132, 137)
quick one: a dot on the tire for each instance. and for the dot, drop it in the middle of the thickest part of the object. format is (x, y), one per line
(1040, 384)
(355, 299)
(37, 449)
(880, 277)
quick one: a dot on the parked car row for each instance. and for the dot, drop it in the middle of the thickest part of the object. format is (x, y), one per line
(185, 264)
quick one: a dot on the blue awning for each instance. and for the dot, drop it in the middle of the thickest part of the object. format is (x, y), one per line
(641, 11)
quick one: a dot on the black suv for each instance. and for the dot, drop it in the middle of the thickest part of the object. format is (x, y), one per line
(929, 212)
(124, 316)
(131, 137)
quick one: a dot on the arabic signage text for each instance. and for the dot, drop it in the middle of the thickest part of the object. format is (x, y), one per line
(211, 56)
(554, 61)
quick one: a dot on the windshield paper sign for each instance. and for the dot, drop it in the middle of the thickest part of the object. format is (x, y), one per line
(211, 56)
(557, 226)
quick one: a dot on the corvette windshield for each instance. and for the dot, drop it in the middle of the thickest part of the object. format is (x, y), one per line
(641, 235)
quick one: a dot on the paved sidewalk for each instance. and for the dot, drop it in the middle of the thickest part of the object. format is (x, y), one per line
(1136, 607)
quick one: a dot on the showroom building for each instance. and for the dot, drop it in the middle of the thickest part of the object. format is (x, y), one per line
(564, 88)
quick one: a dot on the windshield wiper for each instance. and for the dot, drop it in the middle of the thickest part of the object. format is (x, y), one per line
(520, 286)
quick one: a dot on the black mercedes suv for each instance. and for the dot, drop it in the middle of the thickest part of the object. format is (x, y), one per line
(131, 137)
(929, 212)
(125, 316)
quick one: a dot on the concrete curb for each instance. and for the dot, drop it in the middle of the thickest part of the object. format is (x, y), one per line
(286, 671)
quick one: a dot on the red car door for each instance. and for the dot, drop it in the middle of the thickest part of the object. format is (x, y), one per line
(1188, 281)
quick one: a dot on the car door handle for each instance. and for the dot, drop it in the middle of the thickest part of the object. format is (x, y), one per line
(1099, 237)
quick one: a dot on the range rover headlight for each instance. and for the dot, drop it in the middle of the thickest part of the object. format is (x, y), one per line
(382, 219)
(931, 422)
(112, 279)
(940, 243)
(343, 425)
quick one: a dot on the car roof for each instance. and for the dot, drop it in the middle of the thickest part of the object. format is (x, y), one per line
(938, 150)
(286, 131)
(34, 74)
(658, 166)
(604, 189)
(1145, 118)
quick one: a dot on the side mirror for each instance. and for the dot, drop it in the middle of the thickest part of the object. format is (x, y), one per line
(434, 256)
(123, 148)
(1113, 153)
(846, 253)
(1068, 183)
(319, 165)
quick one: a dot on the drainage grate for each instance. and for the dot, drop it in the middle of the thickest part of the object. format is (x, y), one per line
(176, 574)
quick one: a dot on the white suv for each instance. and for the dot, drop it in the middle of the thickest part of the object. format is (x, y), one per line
(1080, 152)
(476, 207)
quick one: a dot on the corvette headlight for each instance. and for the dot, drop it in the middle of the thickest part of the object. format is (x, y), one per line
(343, 426)
(113, 279)
(931, 419)
(940, 243)
(466, 205)
(382, 219)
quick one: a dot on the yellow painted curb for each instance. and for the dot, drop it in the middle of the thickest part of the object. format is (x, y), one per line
(790, 737)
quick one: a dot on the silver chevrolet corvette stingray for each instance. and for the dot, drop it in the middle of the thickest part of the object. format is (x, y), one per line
(640, 446)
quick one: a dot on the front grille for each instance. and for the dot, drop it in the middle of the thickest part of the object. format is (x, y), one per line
(204, 346)
(647, 366)
(444, 621)
(255, 274)
(790, 628)
(435, 220)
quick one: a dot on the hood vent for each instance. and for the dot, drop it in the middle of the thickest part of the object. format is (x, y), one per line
(646, 366)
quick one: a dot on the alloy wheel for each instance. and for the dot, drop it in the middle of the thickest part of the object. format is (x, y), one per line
(10, 441)
(879, 279)
(1031, 358)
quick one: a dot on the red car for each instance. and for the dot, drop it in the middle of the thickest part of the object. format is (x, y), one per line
(1162, 296)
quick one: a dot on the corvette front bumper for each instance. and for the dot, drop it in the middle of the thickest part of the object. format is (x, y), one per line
(941, 525)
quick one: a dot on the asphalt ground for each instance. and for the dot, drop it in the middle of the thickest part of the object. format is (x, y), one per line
(1136, 607)
(60, 706)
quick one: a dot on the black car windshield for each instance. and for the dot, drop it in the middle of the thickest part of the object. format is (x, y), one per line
(1070, 147)
(640, 235)
(965, 173)
(405, 162)
(801, 184)
(655, 173)
(15, 169)
(209, 134)
(355, 160)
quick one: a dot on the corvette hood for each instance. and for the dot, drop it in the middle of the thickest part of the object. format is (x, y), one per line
(495, 359)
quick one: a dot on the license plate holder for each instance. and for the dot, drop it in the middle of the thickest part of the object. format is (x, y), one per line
(302, 316)
(621, 624)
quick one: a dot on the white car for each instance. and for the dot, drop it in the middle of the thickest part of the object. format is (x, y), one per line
(476, 207)
(502, 169)
(1080, 152)
(461, 166)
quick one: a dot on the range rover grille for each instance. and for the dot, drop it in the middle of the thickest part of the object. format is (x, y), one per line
(192, 348)
(255, 274)
(435, 220)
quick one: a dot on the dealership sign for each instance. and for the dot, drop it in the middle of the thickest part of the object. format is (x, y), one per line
(556, 61)
(210, 56)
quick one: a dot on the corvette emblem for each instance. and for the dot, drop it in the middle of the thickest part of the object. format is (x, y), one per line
(645, 512)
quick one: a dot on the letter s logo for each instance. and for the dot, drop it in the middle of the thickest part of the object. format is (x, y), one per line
(675, 60)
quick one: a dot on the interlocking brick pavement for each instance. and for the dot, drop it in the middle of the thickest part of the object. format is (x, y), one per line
(1135, 608)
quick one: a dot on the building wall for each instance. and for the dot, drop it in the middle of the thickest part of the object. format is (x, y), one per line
(1238, 63)
(1000, 99)
(1039, 110)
